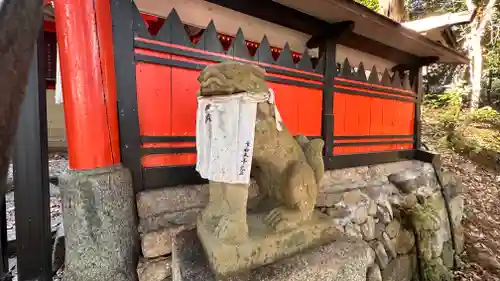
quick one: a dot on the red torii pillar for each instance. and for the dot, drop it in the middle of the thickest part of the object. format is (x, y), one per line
(97, 193)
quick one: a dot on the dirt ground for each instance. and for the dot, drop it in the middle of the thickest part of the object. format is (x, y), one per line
(482, 212)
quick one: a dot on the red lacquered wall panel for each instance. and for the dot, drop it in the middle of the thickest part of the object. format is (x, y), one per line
(167, 104)
(299, 107)
(378, 118)
(154, 99)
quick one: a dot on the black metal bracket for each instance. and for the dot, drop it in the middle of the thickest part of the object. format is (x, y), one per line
(416, 64)
(332, 32)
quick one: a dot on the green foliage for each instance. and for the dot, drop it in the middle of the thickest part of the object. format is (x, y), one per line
(450, 99)
(486, 115)
(372, 4)
(451, 103)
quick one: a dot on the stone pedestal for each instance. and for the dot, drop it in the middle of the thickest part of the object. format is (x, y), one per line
(264, 245)
(99, 221)
(345, 259)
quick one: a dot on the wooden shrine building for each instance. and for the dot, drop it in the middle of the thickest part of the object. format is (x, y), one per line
(129, 77)
(340, 71)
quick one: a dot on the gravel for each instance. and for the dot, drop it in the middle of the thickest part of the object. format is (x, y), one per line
(58, 164)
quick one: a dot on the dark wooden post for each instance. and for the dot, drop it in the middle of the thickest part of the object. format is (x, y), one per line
(416, 78)
(128, 118)
(327, 40)
(31, 177)
(329, 53)
(415, 67)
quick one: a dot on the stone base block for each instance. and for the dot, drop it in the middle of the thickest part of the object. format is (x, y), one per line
(99, 224)
(343, 259)
(264, 245)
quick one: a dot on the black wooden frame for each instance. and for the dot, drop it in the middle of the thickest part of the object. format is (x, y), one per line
(129, 28)
(31, 177)
(122, 14)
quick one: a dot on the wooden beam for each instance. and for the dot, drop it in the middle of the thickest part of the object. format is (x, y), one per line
(415, 64)
(449, 37)
(333, 32)
(327, 117)
(276, 13)
(282, 15)
(416, 75)
(372, 47)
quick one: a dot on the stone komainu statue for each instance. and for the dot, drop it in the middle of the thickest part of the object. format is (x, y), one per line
(287, 169)
(238, 235)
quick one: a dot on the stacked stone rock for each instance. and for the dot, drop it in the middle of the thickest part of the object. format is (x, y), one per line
(366, 203)
(374, 203)
(162, 214)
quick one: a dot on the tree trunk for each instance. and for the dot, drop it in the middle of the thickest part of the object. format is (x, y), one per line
(490, 83)
(20, 22)
(393, 9)
(478, 26)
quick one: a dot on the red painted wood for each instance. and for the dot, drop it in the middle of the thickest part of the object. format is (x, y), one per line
(167, 103)
(157, 160)
(409, 139)
(287, 102)
(294, 79)
(364, 120)
(300, 108)
(371, 148)
(107, 61)
(153, 23)
(168, 159)
(226, 56)
(87, 67)
(168, 144)
(184, 101)
(49, 26)
(339, 110)
(375, 85)
(309, 110)
(380, 92)
(357, 115)
(154, 100)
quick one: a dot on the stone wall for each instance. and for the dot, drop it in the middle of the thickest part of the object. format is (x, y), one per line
(392, 207)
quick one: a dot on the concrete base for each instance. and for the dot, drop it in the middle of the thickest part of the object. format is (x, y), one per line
(99, 222)
(264, 245)
(345, 259)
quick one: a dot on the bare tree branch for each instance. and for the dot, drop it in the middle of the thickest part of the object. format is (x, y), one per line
(470, 5)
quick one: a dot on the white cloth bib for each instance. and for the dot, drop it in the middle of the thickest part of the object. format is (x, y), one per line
(225, 130)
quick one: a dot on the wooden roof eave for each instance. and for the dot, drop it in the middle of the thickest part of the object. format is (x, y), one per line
(402, 46)
(366, 20)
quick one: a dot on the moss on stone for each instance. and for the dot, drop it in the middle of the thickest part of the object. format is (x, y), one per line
(424, 217)
(434, 270)
(425, 220)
